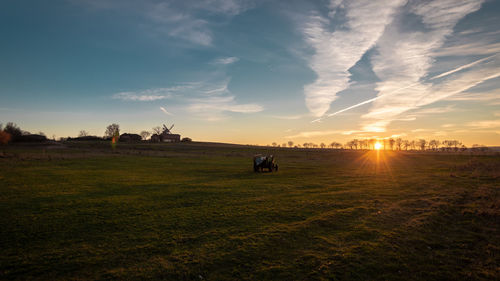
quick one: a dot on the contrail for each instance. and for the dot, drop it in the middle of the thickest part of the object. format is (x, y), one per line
(165, 111)
(395, 91)
(345, 109)
(363, 102)
(461, 67)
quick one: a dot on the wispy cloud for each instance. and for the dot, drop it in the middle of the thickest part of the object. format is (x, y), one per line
(191, 21)
(212, 108)
(419, 130)
(183, 21)
(336, 52)
(404, 58)
(311, 134)
(132, 96)
(471, 42)
(215, 100)
(462, 67)
(290, 117)
(448, 125)
(227, 7)
(485, 124)
(165, 111)
(228, 60)
(435, 110)
(153, 94)
(403, 89)
(390, 107)
(483, 96)
(209, 100)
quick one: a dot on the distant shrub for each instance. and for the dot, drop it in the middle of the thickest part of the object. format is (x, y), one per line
(186, 140)
(130, 138)
(31, 138)
(4, 137)
(155, 138)
(112, 130)
(85, 138)
(13, 130)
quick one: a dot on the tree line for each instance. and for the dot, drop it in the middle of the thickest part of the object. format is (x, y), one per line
(398, 144)
(113, 131)
(13, 133)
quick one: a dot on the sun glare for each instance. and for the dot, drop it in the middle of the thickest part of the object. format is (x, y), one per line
(378, 146)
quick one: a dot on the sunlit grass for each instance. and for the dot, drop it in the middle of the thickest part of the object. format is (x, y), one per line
(177, 212)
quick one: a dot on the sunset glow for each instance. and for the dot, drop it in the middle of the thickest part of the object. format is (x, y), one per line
(304, 71)
(250, 139)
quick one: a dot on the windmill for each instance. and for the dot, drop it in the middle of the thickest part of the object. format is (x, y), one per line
(167, 130)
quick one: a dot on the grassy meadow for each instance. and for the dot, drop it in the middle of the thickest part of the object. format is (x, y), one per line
(194, 211)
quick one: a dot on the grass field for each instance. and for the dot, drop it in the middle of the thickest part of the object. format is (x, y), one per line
(81, 211)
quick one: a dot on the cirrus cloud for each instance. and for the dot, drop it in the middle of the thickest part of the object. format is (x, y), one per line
(336, 52)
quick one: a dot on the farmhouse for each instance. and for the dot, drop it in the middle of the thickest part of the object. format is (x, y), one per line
(130, 138)
(170, 137)
(166, 136)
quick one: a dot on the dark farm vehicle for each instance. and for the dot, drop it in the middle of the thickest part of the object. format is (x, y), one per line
(261, 162)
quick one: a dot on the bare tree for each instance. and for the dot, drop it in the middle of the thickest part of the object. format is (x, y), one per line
(391, 143)
(355, 143)
(399, 142)
(305, 145)
(412, 145)
(274, 144)
(13, 130)
(157, 130)
(112, 130)
(322, 145)
(371, 143)
(437, 143)
(363, 144)
(290, 143)
(449, 144)
(456, 145)
(406, 144)
(434, 144)
(83, 133)
(479, 148)
(422, 143)
(145, 135)
(335, 145)
(350, 145)
(431, 144)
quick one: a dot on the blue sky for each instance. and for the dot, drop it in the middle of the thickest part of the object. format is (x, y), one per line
(254, 72)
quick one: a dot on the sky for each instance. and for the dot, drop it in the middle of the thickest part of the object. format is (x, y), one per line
(254, 72)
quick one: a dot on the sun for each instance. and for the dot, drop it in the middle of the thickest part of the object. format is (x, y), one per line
(378, 146)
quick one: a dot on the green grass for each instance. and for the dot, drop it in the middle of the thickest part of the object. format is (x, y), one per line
(198, 211)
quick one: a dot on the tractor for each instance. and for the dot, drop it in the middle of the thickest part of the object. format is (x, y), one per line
(261, 162)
